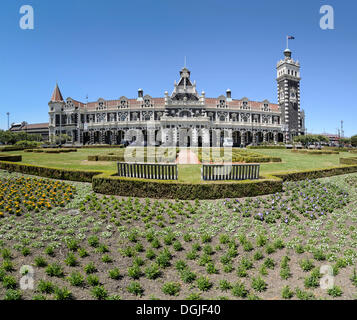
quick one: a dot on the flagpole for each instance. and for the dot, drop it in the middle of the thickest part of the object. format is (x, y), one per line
(287, 42)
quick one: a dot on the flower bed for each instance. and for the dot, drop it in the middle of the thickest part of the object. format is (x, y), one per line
(21, 195)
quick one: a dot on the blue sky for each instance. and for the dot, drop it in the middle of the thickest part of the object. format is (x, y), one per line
(111, 48)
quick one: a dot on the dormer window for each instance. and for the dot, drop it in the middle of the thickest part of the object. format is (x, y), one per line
(266, 107)
(123, 104)
(101, 105)
(245, 105)
(222, 104)
(147, 103)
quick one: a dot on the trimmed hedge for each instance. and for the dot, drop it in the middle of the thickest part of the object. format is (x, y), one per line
(54, 173)
(266, 147)
(315, 174)
(11, 148)
(108, 183)
(108, 146)
(12, 158)
(348, 161)
(315, 152)
(52, 150)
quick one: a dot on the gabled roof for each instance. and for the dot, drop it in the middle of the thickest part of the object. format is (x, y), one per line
(56, 95)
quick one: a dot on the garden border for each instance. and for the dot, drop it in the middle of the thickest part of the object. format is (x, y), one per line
(107, 183)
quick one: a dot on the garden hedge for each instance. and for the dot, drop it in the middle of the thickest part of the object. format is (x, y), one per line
(108, 146)
(315, 152)
(54, 173)
(266, 147)
(11, 148)
(348, 161)
(12, 158)
(316, 173)
(108, 183)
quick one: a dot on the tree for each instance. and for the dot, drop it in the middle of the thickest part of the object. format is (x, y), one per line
(345, 141)
(354, 141)
(309, 139)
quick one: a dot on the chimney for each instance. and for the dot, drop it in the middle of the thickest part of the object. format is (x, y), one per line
(229, 94)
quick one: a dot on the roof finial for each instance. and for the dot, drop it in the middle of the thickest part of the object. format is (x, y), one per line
(185, 62)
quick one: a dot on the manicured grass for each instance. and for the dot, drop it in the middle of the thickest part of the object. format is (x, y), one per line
(187, 173)
(294, 161)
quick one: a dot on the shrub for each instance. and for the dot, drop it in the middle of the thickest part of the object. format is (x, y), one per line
(9, 282)
(71, 260)
(12, 294)
(171, 288)
(306, 264)
(45, 286)
(90, 268)
(107, 183)
(114, 274)
(62, 294)
(54, 173)
(135, 288)
(76, 279)
(203, 283)
(239, 290)
(335, 291)
(93, 280)
(225, 285)
(54, 270)
(180, 265)
(99, 293)
(163, 259)
(134, 272)
(40, 262)
(152, 271)
(258, 284)
(187, 276)
(93, 241)
(287, 293)
(7, 265)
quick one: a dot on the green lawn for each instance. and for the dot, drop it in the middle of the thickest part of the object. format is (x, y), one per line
(187, 173)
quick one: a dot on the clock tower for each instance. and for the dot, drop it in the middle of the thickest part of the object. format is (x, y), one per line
(288, 78)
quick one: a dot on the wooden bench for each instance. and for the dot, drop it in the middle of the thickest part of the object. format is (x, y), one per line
(148, 171)
(212, 172)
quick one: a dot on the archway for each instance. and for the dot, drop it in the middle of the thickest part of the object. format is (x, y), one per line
(108, 137)
(236, 139)
(280, 137)
(270, 137)
(120, 136)
(259, 137)
(86, 138)
(96, 137)
(248, 138)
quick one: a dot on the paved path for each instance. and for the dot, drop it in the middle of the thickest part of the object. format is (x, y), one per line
(186, 156)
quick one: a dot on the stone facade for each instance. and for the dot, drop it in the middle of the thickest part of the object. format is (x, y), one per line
(185, 117)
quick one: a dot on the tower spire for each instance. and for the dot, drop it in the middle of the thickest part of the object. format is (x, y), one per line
(56, 95)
